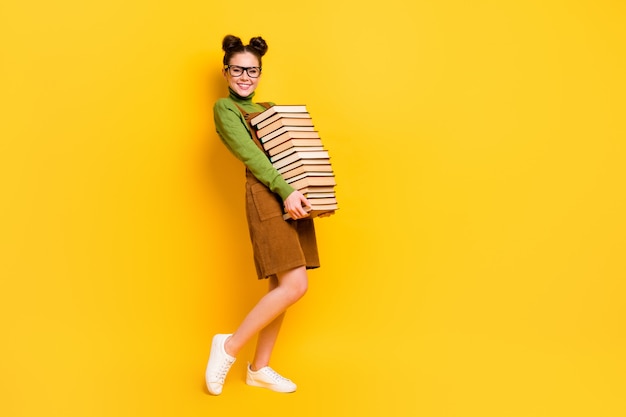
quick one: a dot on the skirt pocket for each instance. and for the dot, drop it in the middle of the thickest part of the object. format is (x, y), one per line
(267, 204)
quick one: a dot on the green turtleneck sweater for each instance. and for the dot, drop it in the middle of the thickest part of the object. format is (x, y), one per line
(234, 132)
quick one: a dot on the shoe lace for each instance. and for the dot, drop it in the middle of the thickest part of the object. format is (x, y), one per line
(221, 372)
(274, 375)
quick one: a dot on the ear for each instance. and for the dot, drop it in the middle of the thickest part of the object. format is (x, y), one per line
(224, 74)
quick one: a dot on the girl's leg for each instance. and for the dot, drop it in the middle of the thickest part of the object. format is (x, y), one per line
(267, 337)
(267, 315)
(265, 318)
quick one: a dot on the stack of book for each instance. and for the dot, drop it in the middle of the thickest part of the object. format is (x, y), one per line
(295, 149)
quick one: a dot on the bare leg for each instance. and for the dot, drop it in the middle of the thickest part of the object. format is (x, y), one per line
(267, 337)
(267, 315)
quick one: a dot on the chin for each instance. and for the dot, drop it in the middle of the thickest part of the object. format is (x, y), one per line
(244, 93)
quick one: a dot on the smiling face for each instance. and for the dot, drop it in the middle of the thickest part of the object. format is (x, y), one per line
(243, 85)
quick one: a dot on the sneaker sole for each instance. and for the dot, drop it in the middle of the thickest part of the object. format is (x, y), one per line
(215, 346)
(271, 387)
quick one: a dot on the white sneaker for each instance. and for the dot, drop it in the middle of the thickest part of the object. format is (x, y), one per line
(268, 378)
(219, 364)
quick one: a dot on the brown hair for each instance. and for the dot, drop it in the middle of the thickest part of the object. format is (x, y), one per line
(233, 45)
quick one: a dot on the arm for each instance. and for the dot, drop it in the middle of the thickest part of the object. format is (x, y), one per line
(233, 132)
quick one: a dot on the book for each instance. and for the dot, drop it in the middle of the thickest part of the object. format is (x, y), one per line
(290, 134)
(290, 108)
(303, 165)
(297, 173)
(307, 174)
(317, 189)
(293, 143)
(315, 211)
(318, 201)
(324, 207)
(288, 165)
(316, 156)
(284, 129)
(301, 153)
(283, 122)
(312, 181)
(289, 151)
(319, 195)
(277, 116)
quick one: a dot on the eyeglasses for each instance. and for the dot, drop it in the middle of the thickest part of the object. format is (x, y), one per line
(237, 71)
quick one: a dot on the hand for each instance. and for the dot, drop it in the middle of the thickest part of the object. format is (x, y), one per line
(295, 205)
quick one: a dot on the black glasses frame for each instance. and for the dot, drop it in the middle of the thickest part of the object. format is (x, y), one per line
(228, 68)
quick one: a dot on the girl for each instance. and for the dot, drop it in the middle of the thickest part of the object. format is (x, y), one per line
(283, 250)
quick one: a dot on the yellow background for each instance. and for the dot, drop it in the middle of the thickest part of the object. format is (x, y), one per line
(476, 266)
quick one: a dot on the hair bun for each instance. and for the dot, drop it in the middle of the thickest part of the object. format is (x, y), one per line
(232, 44)
(258, 44)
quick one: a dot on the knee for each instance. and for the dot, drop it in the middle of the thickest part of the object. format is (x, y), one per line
(296, 287)
(296, 290)
(300, 288)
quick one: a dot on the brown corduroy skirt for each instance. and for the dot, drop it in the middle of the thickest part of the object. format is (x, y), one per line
(278, 245)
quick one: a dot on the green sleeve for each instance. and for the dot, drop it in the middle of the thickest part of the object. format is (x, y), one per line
(233, 131)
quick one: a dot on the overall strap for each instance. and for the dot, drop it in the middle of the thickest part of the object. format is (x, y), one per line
(249, 116)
